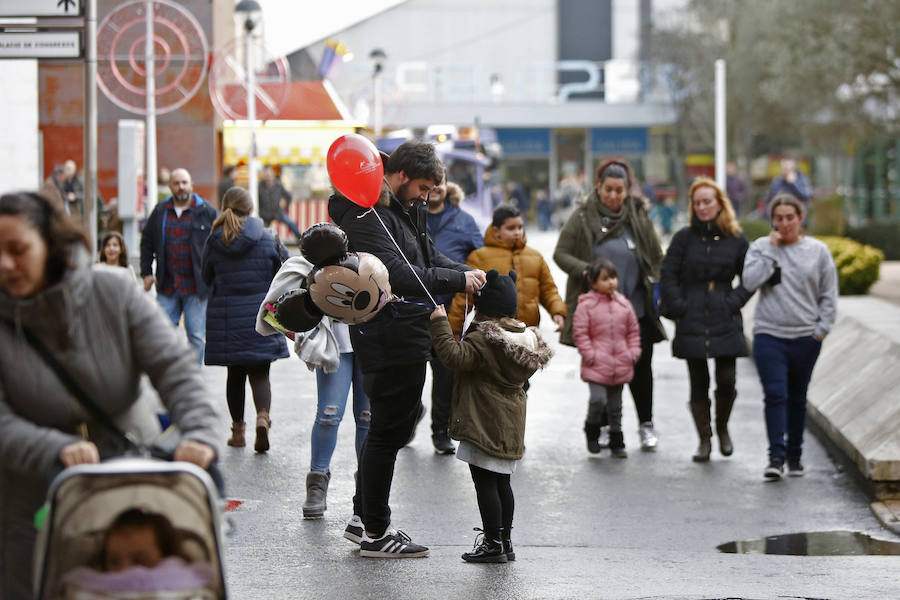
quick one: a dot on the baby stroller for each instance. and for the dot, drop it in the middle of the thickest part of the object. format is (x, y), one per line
(84, 500)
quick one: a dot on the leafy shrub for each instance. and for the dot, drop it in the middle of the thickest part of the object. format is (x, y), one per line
(884, 236)
(826, 217)
(755, 228)
(857, 264)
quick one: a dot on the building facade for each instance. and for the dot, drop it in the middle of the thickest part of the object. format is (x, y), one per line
(563, 83)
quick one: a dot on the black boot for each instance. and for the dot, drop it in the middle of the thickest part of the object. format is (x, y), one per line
(316, 490)
(592, 433)
(700, 412)
(724, 404)
(489, 550)
(507, 543)
(617, 444)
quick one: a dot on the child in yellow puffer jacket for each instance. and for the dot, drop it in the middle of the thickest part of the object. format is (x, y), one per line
(505, 250)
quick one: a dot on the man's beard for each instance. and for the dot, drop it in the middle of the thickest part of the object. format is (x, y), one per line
(182, 197)
(403, 194)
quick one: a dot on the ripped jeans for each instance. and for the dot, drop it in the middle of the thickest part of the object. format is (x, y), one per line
(333, 389)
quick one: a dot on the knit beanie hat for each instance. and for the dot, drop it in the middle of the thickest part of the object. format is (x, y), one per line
(498, 297)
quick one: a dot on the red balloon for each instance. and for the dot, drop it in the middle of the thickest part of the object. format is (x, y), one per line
(355, 168)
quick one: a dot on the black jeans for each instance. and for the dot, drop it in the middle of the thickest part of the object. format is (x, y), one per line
(441, 393)
(641, 386)
(395, 395)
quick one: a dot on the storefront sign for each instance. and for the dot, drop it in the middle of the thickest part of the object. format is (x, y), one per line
(41, 44)
(620, 140)
(524, 142)
(40, 8)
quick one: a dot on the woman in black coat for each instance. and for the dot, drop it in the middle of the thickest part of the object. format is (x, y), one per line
(697, 293)
(239, 261)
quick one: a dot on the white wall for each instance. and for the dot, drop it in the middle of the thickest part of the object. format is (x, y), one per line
(19, 147)
(626, 29)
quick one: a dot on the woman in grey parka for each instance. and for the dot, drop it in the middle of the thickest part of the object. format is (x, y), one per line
(105, 333)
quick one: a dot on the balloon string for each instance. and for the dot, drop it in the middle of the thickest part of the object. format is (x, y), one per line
(377, 216)
(462, 333)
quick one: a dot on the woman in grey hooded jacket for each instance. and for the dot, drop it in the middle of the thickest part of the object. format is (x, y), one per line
(105, 333)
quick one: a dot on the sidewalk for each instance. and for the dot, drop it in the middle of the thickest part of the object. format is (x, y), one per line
(585, 526)
(888, 285)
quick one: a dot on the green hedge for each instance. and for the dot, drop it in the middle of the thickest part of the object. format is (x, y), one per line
(884, 236)
(755, 228)
(857, 264)
(826, 217)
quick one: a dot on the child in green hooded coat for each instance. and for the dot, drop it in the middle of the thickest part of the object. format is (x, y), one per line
(497, 354)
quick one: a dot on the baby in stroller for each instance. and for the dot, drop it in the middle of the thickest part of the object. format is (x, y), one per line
(139, 538)
(162, 542)
(141, 550)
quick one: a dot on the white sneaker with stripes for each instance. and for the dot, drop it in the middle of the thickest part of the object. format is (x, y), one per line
(393, 544)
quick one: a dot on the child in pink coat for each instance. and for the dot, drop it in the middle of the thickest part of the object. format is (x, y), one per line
(608, 338)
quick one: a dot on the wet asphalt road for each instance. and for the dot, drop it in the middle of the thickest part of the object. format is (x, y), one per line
(586, 526)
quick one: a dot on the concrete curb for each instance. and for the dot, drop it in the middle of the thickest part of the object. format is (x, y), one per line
(854, 395)
(888, 514)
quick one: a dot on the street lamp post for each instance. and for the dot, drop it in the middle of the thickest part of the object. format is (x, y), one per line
(721, 139)
(251, 13)
(150, 178)
(90, 121)
(378, 57)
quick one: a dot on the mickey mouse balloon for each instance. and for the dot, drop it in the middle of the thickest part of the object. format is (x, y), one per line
(350, 287)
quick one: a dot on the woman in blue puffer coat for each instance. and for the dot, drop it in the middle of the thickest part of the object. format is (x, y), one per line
(239, 261)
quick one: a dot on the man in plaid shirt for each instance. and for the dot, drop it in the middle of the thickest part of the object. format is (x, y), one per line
(174, 237)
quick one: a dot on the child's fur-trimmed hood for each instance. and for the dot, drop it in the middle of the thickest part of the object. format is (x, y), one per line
(523, 345)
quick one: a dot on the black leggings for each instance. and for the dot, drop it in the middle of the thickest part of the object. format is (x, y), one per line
(495, 498)
(726, 375)
(259, 384)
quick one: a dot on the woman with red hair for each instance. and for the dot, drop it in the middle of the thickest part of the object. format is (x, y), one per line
(697, 293)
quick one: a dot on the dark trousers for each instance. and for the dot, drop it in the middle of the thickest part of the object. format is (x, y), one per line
(235, 388)
(698, 371)
(545, 214)
(282, 217)
(785, 367)
(395, 396)
(641, 385)
(441, 393)
(496, 502)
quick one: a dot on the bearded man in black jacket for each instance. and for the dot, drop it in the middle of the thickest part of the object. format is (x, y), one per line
(394, 347)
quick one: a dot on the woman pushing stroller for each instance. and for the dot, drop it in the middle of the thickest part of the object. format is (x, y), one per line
(104, 333)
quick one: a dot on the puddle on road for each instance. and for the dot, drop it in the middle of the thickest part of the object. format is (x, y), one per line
(815, 543)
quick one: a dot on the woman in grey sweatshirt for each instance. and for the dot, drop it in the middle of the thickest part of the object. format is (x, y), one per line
(798, 286)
